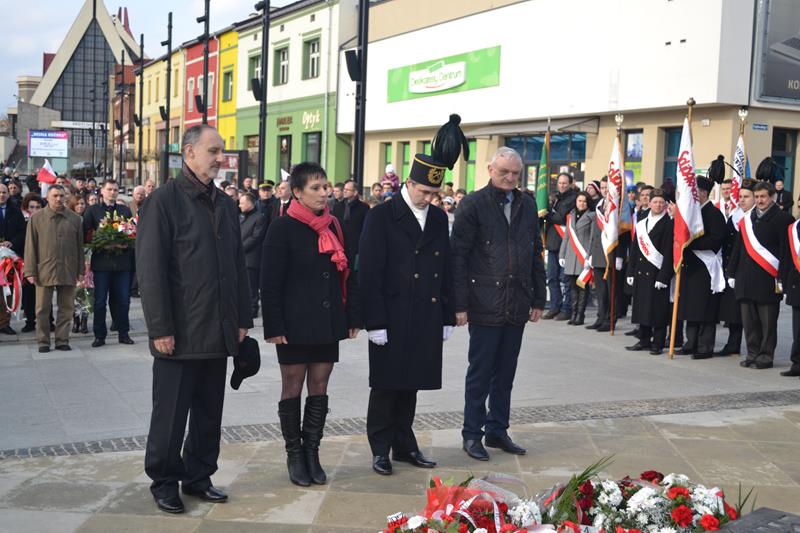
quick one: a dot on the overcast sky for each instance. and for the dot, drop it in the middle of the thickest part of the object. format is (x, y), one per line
(32, 27)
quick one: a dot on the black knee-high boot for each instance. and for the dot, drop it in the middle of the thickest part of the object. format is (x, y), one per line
(313, 423)
(583, 299)
(574, 289)
(289, 414)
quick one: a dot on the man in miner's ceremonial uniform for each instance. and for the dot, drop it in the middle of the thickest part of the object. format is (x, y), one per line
(702, 279)
(404, 276)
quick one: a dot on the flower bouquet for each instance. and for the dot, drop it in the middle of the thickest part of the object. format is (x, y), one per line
(651, 503)
(114, 234)
(11, 278)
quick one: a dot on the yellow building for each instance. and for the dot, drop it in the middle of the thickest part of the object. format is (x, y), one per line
(154, 128)
(228, 64)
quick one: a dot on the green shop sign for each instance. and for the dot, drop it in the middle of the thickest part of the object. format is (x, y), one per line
(463, 72)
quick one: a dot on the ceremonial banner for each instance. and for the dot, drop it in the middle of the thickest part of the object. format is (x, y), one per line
(688, 219)
(739, 163)
(794, 244)
(611, 206)
(542, 176)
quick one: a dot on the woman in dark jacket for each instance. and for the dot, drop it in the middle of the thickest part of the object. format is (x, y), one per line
(309, 301)
(580, 223)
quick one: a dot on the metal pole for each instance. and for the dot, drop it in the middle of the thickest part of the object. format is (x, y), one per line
(141, 104)
(361, 92)
(122, 122)
(204, 19)
(94, 92)
(168, 44)
(262, 109)
(106, 96)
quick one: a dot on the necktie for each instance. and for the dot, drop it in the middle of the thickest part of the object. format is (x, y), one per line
(507, 209)
(283, 205)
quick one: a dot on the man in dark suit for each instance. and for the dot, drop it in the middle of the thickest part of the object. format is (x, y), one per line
(281, 206)
(783, 198)
(253, 227)
(351, 212)
(12, 235)
(404, 279)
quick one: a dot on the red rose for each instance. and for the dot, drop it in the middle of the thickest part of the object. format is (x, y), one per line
(652, 476)
(463, 528)
(709, 522)
(587, 489)
(674, 492)
(508, 528)
(503, 507)
(682, 516)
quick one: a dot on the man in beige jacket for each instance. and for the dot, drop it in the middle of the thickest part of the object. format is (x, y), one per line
(54, 261)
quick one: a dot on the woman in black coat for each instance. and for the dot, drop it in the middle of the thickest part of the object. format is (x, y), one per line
(310, 304)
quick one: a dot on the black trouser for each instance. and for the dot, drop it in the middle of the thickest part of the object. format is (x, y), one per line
(29, 303)
(700, 336)
(795, 339)
(601, 290)
(760, 323)
(255, 284)
(390, 415)
(734, 337)
(181, 387)
(654, 336)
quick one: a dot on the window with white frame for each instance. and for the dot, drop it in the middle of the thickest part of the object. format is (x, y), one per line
(190, 95)
(281, 76)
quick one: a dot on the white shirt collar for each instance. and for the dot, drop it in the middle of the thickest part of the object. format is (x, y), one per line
(420, 214)
(652, 219)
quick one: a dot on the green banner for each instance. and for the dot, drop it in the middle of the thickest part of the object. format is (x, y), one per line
(463, 72)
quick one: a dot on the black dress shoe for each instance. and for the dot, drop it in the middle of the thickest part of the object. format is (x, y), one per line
(746, 363)
(211, 494)
(125, 340)
(44, 349)
(560, 317)
(382, 465)
(632, 333)
(708, 355)
(603, 328)
(549, 315)
(685, 351)
(8, 330)
(28, 327)
(475, 449)
(98, 342)
(726, 351)
(504, 443)
(656, 351)
(414, 458)
(791, 373)
(594, 325)
(170, 504)
(758, 365)
(638, 347)
(63, 347)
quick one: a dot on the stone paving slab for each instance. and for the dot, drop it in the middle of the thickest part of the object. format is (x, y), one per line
(108, 491)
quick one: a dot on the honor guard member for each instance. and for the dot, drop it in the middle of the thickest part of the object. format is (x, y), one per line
(650, 272)
(597, 258)
(791, 286)
(702, 279)
(753, 272)
(404, 276)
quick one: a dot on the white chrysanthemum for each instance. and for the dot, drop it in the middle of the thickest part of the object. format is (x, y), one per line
(706, 501)
(599, 521)
(525, 513)
(667, 530)
(643, 499)
(415, 521)
(613, 496)
(678, 480)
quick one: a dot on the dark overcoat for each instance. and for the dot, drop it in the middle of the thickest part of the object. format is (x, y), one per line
(753, 283)
(191, 271)
(729, 310)
(596, 250)
(557, 216)
(697, 303)
(300, 288)
(351, 227)
(790, 276)
(253, 227)
(651, 306)
(12, 229)
(404, 277)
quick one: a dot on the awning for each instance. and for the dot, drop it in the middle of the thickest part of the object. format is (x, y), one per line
(565, 125)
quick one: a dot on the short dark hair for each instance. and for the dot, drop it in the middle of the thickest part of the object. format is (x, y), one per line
(727, 181)
(56, 187)
(192, 135)
(376, 184)
(31, 197)
(223, 184)
(304, 172)
(250, 196)
(567, 174)
(589, 201)
(764, 186)
(449, 183)
(110, 181)
(462, 191)
(339, 185)
(646, 188)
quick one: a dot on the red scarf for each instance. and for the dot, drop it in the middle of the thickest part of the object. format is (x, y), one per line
(328, 241)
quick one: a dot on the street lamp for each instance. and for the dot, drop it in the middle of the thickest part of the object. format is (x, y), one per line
(165, 110)
(259, 88)
(743, 111)
(203, 106)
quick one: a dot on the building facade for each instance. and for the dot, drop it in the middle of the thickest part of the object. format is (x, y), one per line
(193, 82)
(227, 78)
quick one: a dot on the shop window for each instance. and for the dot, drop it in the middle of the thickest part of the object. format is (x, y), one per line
(672, 145)
(567, 153)
(176, 136)
(634, 146)
(784, 152)
(311, 144)
(311, 59)
(285, 152)
(251, 145)
(211, 92)
(386, 150)
(473, 148)
(426, 148)
(281, 73)
(404, 161)
(190, 95)
(253, 70)
(227, 86)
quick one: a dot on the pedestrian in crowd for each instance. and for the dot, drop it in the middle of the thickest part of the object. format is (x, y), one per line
(406, 287)
(253, 228)
(388, 191)
(593, 190)
(790, 274)
(310, 303)
(783, 198)
(729, 311)
(80, 186)
(337, 196)
(573, 256)
(555, 221)
(753, 275)
(31, 203)
(232, 192)
(91, 199)
(12, 235)
(91, 186)
(149, 187)
(6, 175)
(436, 200)
(725, 202)
(80, 313)
(499, 282)
(598, 261)
(54, 263)
(390, 178)
(650, 271)
(62, 181)
(351, 212)
(266, 200)
(77, 205)
(111, 270)
(15, 193)
(281, 207)
(460, 194)
(137, 199)
(376, 194)
(196, 302)
(447, 190)
(247, 184)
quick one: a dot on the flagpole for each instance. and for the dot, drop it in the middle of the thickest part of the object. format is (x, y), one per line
(690, 103)
(618, 118)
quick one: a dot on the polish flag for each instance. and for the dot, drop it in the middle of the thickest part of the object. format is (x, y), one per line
(688, 218)
(46, 173)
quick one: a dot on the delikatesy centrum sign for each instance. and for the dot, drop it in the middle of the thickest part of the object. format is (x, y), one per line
(48, 143)
(462, 72)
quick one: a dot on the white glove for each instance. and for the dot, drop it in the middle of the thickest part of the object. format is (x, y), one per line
(588, 262)
(732, 283)
(378, 336)
(660, 285)
(619, 263)
(446, 332)
(562, 262)
(629, 279)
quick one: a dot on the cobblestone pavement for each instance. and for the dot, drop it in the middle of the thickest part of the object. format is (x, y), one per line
(759, 447)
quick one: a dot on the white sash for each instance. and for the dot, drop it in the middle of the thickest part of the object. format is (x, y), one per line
(586, 274)
(737, 215)
(756, 250)
(713, 263)
(646, 246)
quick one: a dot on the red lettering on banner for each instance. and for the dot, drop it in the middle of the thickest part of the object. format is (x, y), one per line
(645, 249)
(687, 173)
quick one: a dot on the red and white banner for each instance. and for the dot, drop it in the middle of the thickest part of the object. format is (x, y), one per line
(756, 250)
(586, 275)
(688, 218)
(739, 165)
(794, 244)
(610, 236)
(46, 173)
(646, 246)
